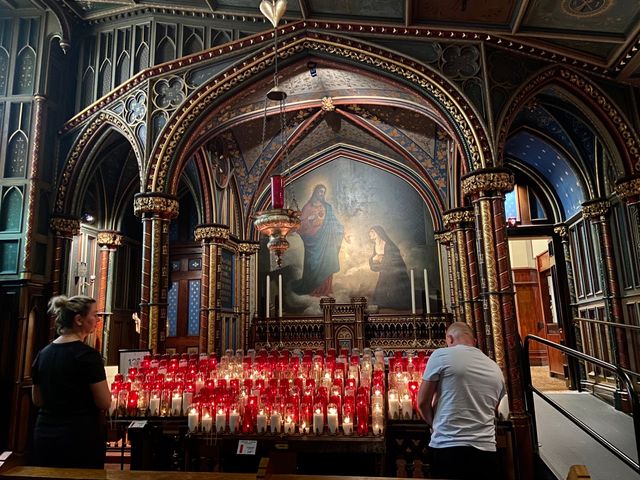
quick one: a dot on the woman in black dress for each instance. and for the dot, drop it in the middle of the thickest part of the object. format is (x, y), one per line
(70, 387)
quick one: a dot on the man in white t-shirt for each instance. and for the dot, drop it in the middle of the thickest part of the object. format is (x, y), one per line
(459, 398)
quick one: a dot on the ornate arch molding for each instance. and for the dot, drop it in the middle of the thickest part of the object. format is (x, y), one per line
(626, 140)
(468, 125)
(423, 184)
(82, 148)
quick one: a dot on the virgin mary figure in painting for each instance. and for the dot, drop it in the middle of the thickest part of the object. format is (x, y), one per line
(393, 289)
(322, 235)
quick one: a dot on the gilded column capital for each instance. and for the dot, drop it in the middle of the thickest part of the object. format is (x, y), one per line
(327, 104)
(162, 204)
(595, 209)
(212, 233)
(248, 248)
(109, 239)
(443, 236)
(457, 216)
(628, 189)
(562, 231)
(65, 226)
(487, 180)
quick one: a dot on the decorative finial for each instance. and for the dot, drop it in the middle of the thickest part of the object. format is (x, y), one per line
(273, 10)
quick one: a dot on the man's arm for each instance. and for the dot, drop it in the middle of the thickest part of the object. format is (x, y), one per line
(427, 400)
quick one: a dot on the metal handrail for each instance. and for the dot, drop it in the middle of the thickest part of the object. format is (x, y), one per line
(624, 326)
(610, 324)
(622, 375)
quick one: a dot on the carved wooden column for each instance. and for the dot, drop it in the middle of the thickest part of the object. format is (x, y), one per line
(212, 237)
(572, 337)
(326, 304)
(64, 228)
(486, 188)
(628, 190)
(246, 251)
(35, 161)
(156, 211)
(108, 241)
(460, 221)
(444, 237)
(359, 306)
(597, 212)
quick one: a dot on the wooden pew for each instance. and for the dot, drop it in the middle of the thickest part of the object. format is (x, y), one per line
(578, 472)
(30, 473)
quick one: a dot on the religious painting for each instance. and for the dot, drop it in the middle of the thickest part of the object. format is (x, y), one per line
(363, 230)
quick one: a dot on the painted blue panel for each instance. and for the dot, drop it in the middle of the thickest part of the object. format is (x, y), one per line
(194, 308)
(510, 205)
(172, 310)
(552, 165)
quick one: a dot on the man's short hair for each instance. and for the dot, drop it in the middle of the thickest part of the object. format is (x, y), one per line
(459, 329)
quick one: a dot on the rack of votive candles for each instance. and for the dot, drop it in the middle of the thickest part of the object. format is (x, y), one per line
(272, 393)
(404, 378)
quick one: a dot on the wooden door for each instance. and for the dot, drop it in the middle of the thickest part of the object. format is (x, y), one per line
(553, 330)
(529, 311)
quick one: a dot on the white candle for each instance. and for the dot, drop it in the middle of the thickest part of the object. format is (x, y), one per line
(199, 384)
(276, 421)
(280, 295)
(332, 420)
(413, 295)
(267, 297)
(304, 428)
(289, 425)
(394, 407)
(192, 420)
(114, 404)
(206, 423)
(187, 398)
(318, 422)
(347, 426)
(176, 404)
(154, 406)
(221, 421)
(261, 423)
(234, 420)
(378, 423)
(407, 407)
(426, 292)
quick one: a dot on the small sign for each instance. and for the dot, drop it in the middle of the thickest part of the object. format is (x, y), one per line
(138, 424)
(247, 447)
(131, 358)
(4, 455)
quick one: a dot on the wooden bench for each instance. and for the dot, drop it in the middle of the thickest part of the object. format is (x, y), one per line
(29, 473)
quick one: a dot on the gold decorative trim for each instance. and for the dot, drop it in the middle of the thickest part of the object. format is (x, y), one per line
(65, 226)
(608, 111)
(595, 209)
(204, 233)
(88, 135)
(327, 104)
(109, 239)
(444, 238)
(628, 188)
(248, 248)
(562, 231)
(459, 110)
(487, 180)
(456, 216)
(163, 205)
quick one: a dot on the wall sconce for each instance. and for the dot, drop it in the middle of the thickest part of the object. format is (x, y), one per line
(86, 283)
(512, 222)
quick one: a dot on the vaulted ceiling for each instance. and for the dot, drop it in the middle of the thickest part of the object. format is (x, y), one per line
(599, 35)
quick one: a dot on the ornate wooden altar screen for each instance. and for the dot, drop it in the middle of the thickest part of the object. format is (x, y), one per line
(349, 325)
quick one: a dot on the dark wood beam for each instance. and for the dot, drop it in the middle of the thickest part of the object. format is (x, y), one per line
(632, 38)
(8, 4)
(408, 12)
(304, 9)
(519, 17)
(212, 4)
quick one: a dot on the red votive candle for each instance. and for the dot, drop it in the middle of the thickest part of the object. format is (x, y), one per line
(277, 191)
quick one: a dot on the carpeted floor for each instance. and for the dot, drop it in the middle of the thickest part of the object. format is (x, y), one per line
(543, 381)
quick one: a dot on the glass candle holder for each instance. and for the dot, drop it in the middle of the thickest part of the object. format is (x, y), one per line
(394, 404)
(332, 418)
(318, 418)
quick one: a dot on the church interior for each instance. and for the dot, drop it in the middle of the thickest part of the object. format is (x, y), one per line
(270, 184)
